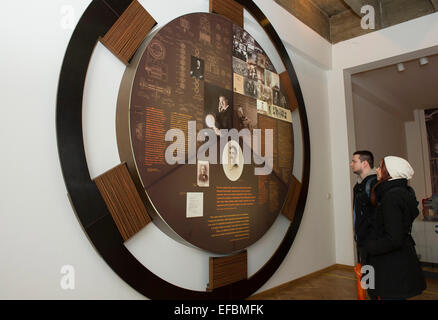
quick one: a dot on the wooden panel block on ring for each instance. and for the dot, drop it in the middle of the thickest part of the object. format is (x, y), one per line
(227, 270)
(292, 199)
(286, 84)
(123, 201)
(129, 31)
(228, 8)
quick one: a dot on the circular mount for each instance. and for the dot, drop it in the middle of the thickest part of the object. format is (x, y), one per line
(203, 80)
(84, 195)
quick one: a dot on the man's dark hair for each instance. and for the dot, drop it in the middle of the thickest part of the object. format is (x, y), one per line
(365, 155)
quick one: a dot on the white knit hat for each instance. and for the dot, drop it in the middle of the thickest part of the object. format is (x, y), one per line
(398, 168)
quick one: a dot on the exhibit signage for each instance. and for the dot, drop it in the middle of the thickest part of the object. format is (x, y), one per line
(210, 129)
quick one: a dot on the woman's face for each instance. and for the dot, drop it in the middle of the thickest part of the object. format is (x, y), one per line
(379, 171)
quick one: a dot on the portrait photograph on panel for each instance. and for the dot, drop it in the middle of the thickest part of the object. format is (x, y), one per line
(240, 67)
(250, 88)
(272, 80)
(196, 68)
(238, 83)
(203, 173)
(232, 160)
(245, 112)
(219, 104)
(262, 107)
(264, 93)
(279, 99)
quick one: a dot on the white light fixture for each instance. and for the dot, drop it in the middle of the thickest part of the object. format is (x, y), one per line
(424, 61)
(400, 67)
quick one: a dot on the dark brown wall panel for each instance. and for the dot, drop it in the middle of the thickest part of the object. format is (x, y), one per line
(288, 90)
(292, 199)
(228, 8)
(123, 201)
(129, 31)
(227, 270)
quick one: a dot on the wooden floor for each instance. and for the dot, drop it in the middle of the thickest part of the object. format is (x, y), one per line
(334, 283)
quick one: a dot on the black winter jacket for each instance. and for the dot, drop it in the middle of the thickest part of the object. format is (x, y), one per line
(363, 213)
(390, 247)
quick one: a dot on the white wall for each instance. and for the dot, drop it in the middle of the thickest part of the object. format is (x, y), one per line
(378, 130)
(39, 231)
(371, 48)
(418, 155)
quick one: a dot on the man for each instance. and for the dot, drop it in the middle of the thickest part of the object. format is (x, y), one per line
(232, 167)
(197, 69)
(362, 165)
(203, 176)
(252, 72)
(234, 161)
(224, 115)
(243, 120)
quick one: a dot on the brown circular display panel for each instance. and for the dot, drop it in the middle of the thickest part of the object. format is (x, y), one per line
(198, 74)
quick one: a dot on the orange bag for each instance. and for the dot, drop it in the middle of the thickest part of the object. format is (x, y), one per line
(360, 291)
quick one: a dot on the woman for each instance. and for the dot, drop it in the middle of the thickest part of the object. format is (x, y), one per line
(390, 247)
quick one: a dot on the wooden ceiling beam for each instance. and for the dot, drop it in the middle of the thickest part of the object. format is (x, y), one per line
(309, 14)
(346, 24)
(356, 5)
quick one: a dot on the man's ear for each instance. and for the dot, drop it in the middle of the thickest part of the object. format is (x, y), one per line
(366, 164)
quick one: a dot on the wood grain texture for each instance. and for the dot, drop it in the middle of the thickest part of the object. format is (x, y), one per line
(337, 282)
(331, 7)
(292, 199)
(123, 201)
(129, 31)
(227, 270)
(332, 283)
(309, 14)
(286, 84)
(228, 8)
(346, 25)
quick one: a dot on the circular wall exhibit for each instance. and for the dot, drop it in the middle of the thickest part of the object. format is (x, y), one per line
(209, 132)
(197, 75)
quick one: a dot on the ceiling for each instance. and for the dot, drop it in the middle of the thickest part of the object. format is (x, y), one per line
(339, 20)
(331, 7)
(400, 92)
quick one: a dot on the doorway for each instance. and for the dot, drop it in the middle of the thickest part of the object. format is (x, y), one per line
(392, 109)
